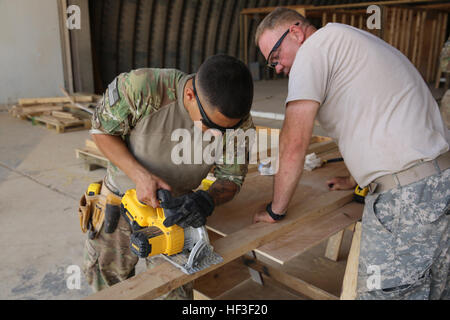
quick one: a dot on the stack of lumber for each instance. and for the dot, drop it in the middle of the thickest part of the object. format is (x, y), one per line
(92, 156)
(60, 113)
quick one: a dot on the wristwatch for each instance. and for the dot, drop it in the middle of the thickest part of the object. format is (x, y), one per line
(274, 215)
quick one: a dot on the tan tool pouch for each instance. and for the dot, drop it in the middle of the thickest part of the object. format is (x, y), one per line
(91, 212)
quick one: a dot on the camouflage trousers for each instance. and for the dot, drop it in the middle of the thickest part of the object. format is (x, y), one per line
(405, 242)
(108, 260)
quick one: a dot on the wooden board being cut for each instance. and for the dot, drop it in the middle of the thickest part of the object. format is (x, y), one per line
(256, 192)
(294, 243)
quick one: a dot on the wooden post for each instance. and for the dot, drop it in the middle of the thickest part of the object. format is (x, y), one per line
(416, 39)
(408, 33)
(324, 18)
(65, 46)
(80, 48)
(349, 285)
(419, 54)
(431, 54)
(441, 43)
(256, 275)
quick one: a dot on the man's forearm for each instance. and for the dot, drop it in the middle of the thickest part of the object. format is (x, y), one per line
(115, 149)
(292, 158)
(294, 141)
(223, 191)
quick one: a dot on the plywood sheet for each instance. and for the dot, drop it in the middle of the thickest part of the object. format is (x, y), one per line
(257, 191)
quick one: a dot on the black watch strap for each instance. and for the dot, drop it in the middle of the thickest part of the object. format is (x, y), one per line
(272, 214)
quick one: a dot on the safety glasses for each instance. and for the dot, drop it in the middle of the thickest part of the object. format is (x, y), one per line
(205, 120)
(270, 64)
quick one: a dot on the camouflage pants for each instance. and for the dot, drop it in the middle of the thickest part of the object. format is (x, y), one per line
(405, 242)
(108, 260)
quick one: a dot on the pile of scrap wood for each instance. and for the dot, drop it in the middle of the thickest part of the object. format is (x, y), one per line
(63, 114)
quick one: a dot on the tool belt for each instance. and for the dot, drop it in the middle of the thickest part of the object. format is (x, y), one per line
(411, 175)
(97, 210)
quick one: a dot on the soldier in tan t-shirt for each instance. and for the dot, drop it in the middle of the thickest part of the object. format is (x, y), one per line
(376, 106)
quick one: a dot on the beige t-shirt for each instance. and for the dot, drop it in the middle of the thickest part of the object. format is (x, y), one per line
(374, 102)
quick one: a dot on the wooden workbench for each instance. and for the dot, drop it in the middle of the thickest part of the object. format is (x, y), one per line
(315, 214)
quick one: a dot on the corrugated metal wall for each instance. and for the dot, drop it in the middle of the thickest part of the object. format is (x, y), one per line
(129, 34)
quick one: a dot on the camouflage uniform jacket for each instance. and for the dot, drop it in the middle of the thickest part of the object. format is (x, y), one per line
(142, 93)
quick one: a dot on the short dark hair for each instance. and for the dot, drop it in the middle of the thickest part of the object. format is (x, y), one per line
(227, 85)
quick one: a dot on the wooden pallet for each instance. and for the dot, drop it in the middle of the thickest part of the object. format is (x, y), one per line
(62, 114)
(92, 156)
(62, 125)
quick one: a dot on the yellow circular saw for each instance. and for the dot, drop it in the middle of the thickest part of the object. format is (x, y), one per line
(188, 248)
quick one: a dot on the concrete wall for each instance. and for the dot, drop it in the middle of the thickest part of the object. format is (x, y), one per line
(30, 50)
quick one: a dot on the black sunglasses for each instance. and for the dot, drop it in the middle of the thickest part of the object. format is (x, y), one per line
(205, 120)
(275, 47)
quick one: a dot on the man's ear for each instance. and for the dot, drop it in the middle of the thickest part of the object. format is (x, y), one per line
(189, 93)
(298, 33)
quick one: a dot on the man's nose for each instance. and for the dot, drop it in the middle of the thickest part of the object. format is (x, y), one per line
(279, 68)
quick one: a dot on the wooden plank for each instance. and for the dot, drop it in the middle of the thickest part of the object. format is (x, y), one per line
(334, 246)
(163, 278)
(437, 50)
(431, 55)
(257, 191)
(352, 20)
(80, 47)
(221, 280)
(324, 19)
(34, 101)
(420, 49)
(249, 290)
(64, 114)
(403, 30)
(25, 113)
(321, 147)
(392, 26)
(291, 245)
(349, 284)
(199, 296)
(91, 145)
(292, 282)
(408, 33)
(442, 41)
(416, 40)
(65, 45)
(398, 28)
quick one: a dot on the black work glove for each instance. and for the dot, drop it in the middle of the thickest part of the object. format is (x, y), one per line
(189, 210)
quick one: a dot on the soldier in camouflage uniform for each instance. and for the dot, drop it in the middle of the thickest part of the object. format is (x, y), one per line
(373, 102)
(135, 120)
(405, 250)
